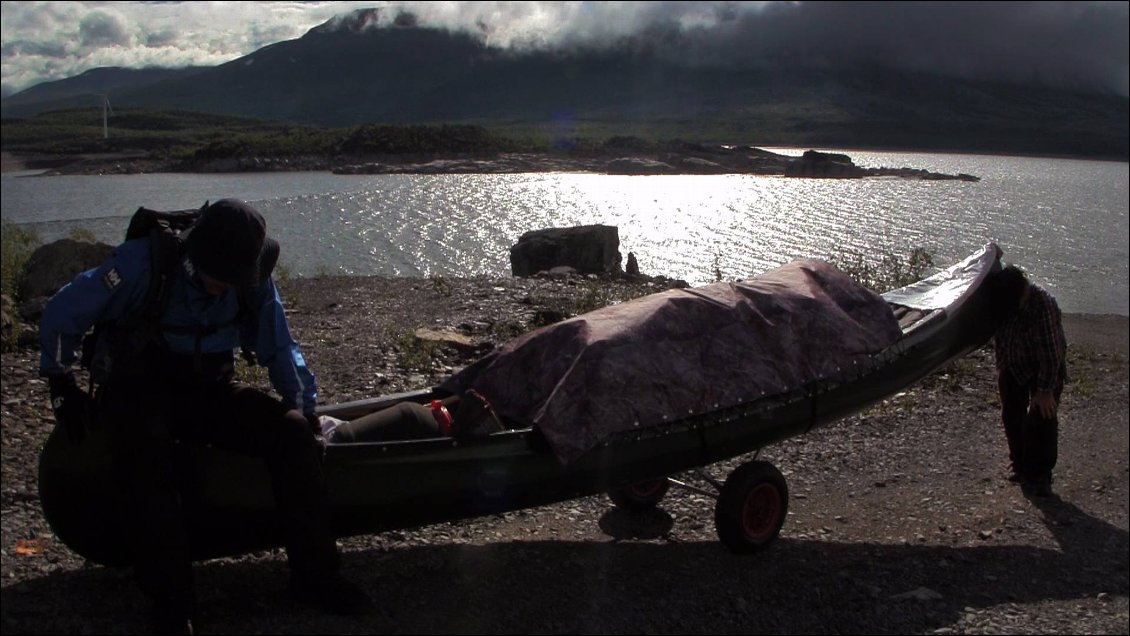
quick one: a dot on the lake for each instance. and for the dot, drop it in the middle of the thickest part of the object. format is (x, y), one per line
(1063, 220)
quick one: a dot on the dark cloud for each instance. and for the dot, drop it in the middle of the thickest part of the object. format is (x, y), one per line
(1075, 44)
(98, 30)
(1065, 44)
(33, 49)
(158, 39)
(1068, 44)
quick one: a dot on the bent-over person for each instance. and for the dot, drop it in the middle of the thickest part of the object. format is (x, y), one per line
(1030, 350)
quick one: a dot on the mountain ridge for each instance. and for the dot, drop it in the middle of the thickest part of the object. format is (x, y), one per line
(347, 73)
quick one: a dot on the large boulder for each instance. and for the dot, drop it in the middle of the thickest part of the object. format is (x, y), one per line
(55, 264)
(589, 249)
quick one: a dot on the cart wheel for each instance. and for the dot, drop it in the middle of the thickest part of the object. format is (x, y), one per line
(642, 495)
(751, 507)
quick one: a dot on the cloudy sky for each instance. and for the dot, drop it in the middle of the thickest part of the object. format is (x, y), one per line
(1074, 44)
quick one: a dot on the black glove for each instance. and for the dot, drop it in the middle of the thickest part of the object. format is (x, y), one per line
(71, 405)
(314, 423)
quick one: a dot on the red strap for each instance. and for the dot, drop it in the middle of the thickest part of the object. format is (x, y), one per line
(443, 418)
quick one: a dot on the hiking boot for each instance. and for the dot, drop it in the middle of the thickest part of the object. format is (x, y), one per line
(166, 623)
(1039, 487)
(171, 617)
(333, 594)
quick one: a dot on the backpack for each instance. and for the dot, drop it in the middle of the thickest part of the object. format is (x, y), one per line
(109, 346)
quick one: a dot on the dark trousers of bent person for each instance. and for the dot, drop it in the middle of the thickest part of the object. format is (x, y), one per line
(1033, 441)
(146, 417)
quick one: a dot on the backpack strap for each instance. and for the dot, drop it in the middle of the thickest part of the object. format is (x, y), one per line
(165, 251)
(247, 294)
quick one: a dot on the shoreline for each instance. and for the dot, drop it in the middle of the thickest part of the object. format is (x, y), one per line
(15, 162)
(927, 151)
(693, 159)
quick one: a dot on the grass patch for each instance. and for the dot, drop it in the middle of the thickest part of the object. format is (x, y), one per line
(82, 234)
(281, 272)
(251, 375)
(956, 376)
(505, 330)
(441, 286)
(1079, 381)
(414, 353)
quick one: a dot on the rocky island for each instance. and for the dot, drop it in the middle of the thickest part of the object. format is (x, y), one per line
(693, 159)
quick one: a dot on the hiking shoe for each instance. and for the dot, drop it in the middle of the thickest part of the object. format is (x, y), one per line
(170, 624)
(1040, 487)
(170, 618)
(333, 594)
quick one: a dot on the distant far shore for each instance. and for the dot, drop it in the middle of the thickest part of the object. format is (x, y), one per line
(684, 159)
(140, 162)
(11, 163)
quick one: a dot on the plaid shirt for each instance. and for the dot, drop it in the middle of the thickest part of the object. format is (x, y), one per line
(1031, 344)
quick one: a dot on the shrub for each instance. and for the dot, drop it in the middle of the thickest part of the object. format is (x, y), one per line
(82, 234)
(282, 271)
(415, 353)
(17, 244)
(890, 272)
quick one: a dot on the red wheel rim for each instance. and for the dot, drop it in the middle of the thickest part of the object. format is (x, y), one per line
(761, 512)
(646, 488)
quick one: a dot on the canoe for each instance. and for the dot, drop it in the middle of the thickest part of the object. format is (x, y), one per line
(383, 485)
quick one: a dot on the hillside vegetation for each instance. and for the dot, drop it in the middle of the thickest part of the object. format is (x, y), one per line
(173, 134)
(197, 137)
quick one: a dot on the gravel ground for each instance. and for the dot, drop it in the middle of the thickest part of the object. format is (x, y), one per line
(900, 521)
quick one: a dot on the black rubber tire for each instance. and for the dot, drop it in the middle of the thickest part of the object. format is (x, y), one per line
(751, 507)
(642, 495)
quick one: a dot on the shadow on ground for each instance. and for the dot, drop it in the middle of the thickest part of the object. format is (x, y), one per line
(625, 586)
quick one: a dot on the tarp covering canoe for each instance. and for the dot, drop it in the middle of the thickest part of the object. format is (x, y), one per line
(681, 352)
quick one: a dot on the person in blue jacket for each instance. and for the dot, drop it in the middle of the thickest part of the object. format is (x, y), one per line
(173, 381)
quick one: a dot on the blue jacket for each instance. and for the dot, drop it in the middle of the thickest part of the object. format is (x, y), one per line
(117, 288)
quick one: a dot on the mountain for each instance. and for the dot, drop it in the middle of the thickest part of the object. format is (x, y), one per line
(87, 88)
(346, 73)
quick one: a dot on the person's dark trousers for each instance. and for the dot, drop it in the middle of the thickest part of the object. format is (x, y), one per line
(406, 420)
(145, 417)
(1033, 441)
